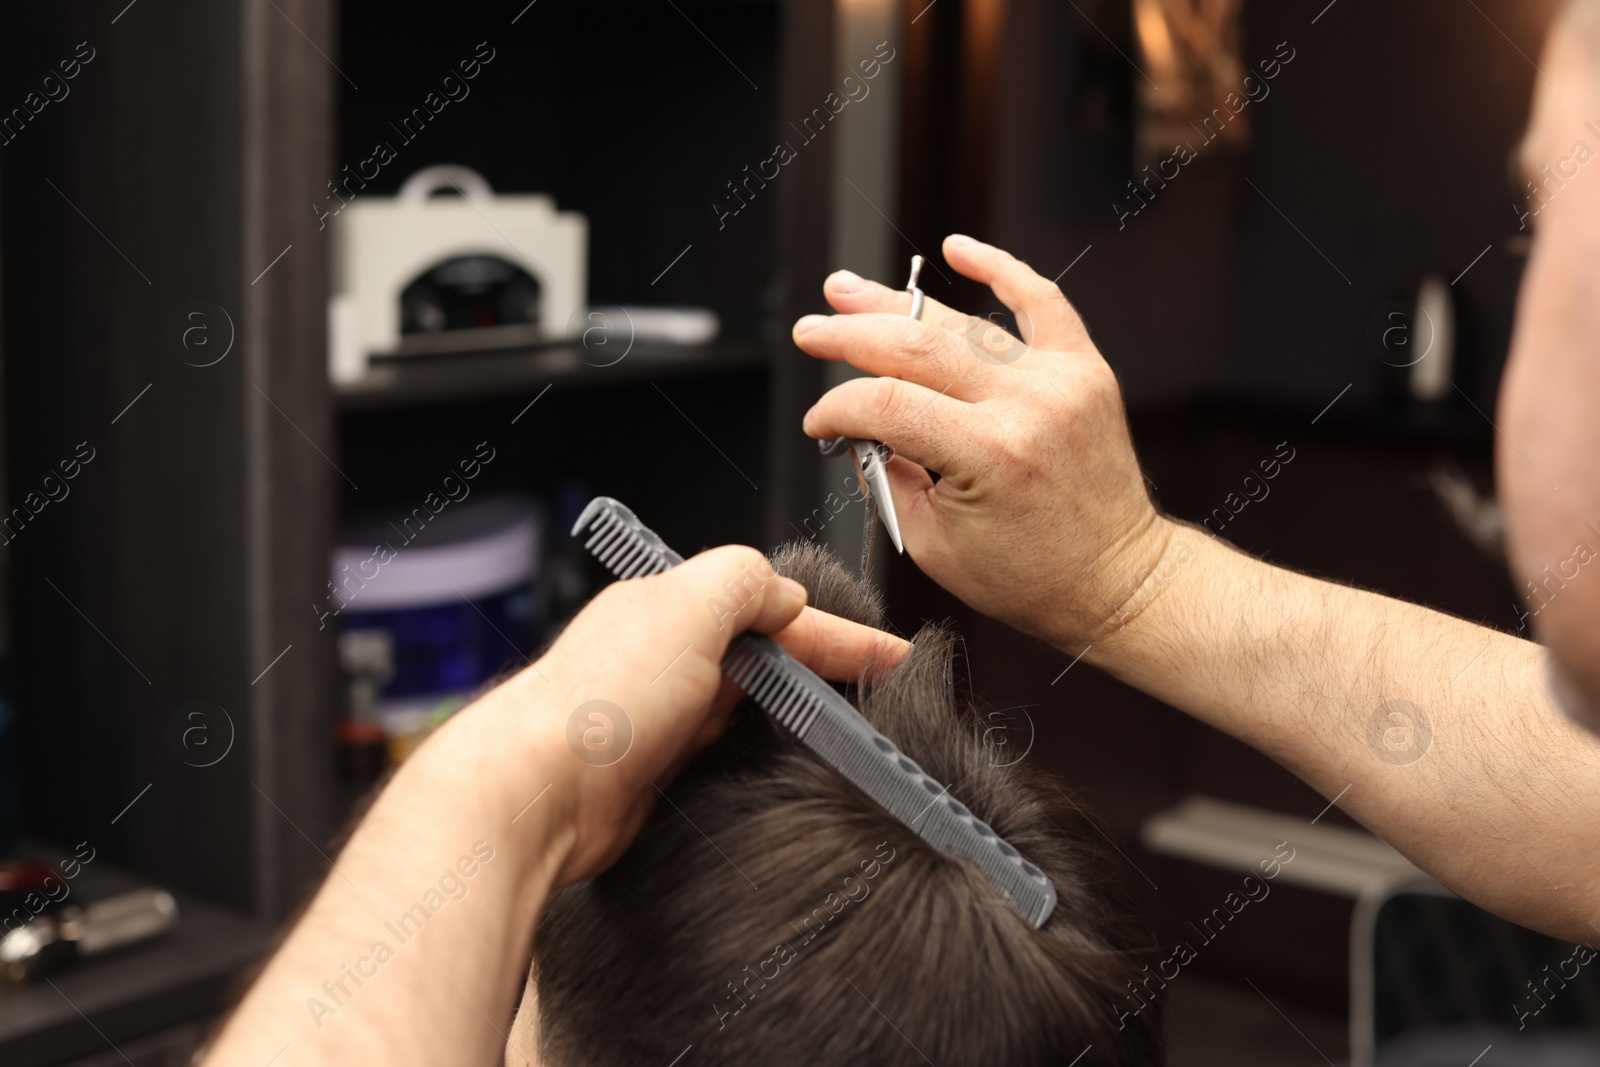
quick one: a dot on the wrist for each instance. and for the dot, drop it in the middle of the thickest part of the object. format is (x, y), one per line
(1152, 621)
(503, 768)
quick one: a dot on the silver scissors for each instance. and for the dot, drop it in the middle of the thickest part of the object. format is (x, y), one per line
(873, 456)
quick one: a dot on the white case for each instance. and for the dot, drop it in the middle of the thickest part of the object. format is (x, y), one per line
(381, 245)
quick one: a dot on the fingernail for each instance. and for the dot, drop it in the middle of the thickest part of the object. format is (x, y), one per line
(809, 323)
(961, 240)
(795, 590)
(846, 281)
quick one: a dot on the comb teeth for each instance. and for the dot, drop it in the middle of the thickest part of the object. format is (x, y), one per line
(825, 722)
(793, 708)
(624, 545)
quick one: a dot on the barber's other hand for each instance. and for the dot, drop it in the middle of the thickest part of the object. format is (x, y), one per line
(653, 647)
(1040, 516)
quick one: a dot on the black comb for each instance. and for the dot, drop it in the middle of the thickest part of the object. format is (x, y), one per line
(827, 724)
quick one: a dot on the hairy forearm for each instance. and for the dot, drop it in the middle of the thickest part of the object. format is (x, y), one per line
(1437, 732)
(414, 949)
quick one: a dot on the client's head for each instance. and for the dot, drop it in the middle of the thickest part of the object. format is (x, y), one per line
(771, 913)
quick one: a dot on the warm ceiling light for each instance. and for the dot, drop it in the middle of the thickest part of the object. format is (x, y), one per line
(1154, 36)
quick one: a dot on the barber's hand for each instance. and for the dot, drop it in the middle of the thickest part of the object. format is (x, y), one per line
(653, 647)
(1040, 516)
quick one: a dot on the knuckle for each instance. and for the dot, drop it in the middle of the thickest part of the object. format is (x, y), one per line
(724, 562)
(1098, 385)
(1020, 441)
(1045, 291)
(886, 397)
(1032, 435)
(925, 344)
(616, 598)
(745, 558)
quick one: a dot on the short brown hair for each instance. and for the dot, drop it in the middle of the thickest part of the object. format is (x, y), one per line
(772, 914)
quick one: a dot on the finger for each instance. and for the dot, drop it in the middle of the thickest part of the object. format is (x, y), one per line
(1043, 313)
(839, 649)
(849, 293)
(920, 424)
(734, 588)
(897, 347)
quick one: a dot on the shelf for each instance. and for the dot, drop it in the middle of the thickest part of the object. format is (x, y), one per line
(414, 381)
(185, 975)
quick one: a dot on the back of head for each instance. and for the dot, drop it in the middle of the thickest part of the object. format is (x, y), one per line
(771, 913)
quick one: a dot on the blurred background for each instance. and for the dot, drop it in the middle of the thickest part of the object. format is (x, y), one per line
(319, 321)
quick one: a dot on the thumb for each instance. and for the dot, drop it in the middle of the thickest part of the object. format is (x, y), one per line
(909, 483)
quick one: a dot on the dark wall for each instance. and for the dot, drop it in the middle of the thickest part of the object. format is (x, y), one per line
(1391, 151)
(1385, 141)
(85, 333)
(190, 544)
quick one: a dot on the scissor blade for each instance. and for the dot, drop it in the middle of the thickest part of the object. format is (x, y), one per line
(871, 455)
